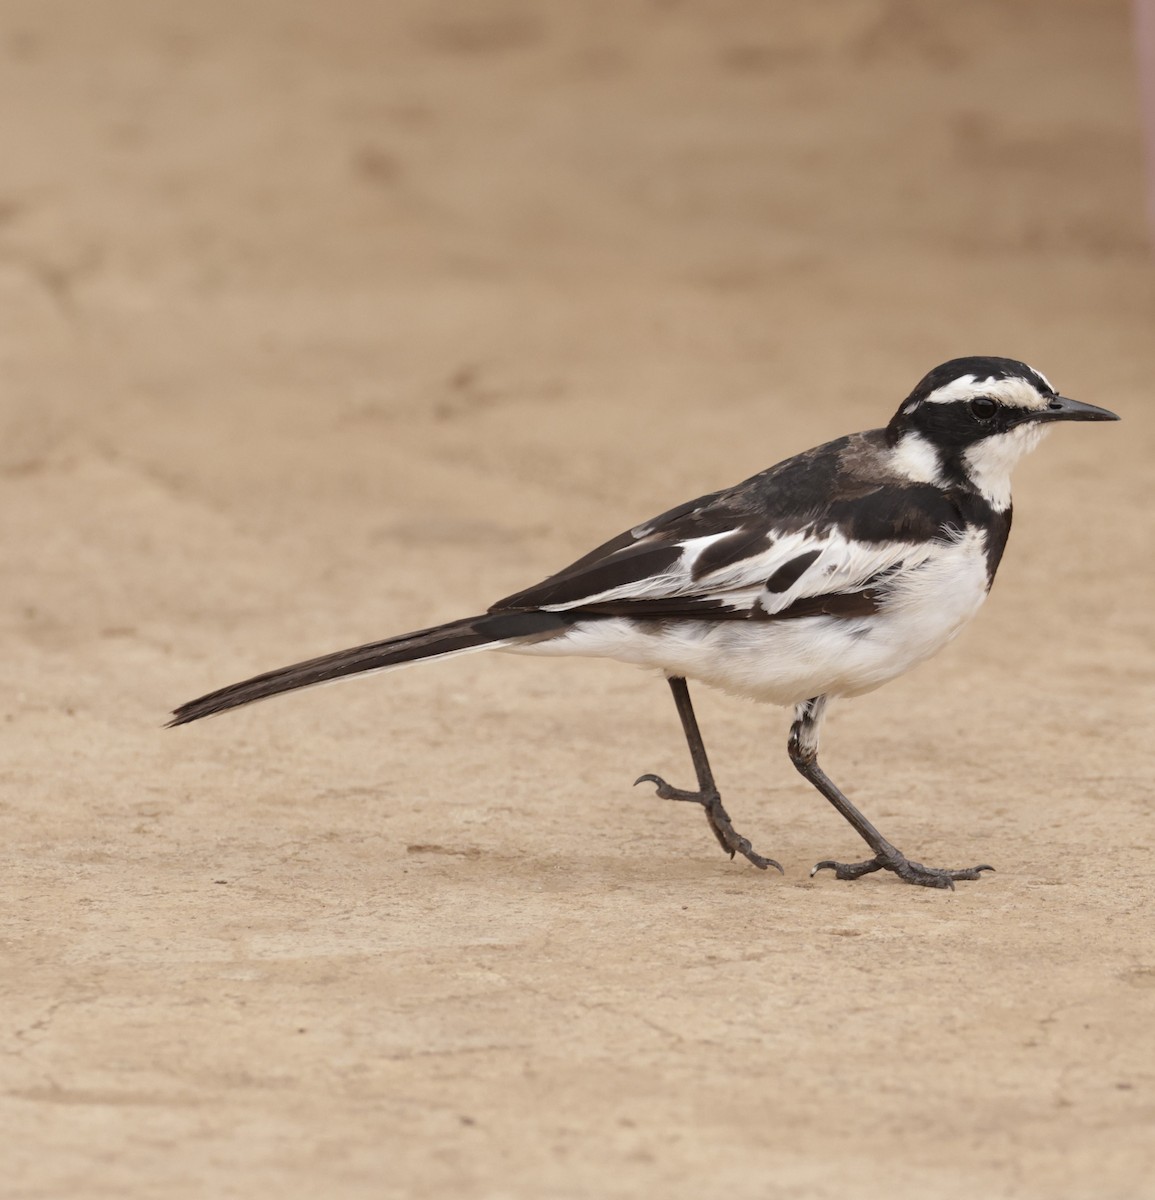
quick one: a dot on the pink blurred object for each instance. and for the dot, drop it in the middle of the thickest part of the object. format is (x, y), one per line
(1145, 46)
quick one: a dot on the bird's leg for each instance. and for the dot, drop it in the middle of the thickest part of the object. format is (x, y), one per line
(803, 746)
(707, 794)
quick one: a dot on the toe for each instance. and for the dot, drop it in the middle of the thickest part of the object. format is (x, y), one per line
(971, 872)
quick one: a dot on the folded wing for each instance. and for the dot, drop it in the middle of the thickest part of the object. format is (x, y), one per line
(756, 552)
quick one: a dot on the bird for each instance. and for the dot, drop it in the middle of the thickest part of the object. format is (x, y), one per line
(820, 578)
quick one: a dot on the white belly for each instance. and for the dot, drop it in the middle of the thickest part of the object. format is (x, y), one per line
(785, 662)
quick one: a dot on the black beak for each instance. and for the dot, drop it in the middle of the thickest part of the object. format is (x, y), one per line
(1062, 408)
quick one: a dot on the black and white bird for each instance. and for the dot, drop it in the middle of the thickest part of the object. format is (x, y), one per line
(824, 576)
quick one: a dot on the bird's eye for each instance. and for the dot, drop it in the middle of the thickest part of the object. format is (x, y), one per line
(983, 408)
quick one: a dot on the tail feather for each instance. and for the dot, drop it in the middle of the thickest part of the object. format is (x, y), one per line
(472, 633)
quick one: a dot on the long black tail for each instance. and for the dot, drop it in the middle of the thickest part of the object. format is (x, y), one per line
(473, 633)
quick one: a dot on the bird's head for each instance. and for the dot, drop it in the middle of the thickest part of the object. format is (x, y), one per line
(971, 419)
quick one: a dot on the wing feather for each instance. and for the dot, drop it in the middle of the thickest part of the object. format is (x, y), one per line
(783, 544)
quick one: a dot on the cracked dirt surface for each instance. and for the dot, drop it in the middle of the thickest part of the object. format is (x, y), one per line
(322, 323)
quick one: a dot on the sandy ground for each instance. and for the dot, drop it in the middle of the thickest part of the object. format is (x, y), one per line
(321, 322)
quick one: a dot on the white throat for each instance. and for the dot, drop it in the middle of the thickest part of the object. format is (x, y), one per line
(989, 463)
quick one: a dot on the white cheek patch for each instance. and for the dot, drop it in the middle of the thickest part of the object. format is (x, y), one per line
(914, 458)
(989, 462)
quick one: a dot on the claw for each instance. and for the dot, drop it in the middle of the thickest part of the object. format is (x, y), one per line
(667, 791)
(904, 868)
(847, 870)
(731, 841)
(936, 881)
(664, 789)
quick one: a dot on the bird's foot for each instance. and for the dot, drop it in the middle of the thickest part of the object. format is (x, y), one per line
(909, 872)
(728, 837)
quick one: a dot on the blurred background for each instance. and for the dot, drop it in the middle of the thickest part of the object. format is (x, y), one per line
(385, 264)
(319, 322)
(250, 228)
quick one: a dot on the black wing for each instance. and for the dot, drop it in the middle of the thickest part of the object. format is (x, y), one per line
(823, 532)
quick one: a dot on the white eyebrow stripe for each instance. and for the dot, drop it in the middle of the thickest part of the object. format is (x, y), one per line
(1016, 392)
(962, 388)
